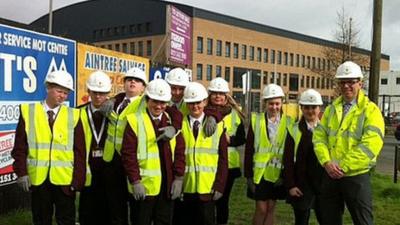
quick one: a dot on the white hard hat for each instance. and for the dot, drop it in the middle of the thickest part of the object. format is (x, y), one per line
(136, 73)
(219, 85)
(348, 70)
(310, 97)
(62, 78)
(158, 89)
(177, 76)
(272, 91)
(99, 81)
(194, 92)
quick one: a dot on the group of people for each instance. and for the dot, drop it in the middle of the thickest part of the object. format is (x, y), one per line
(166, 152)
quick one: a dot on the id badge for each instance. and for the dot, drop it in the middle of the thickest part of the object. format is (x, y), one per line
(97, 152)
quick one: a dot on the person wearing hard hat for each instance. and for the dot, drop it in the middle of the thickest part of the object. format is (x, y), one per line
(116, 109)
(94, 200)
(347, 143)
(49, 152)
(263, 154)
(178, 79)
(220, 100)
(302, 172)
(154, 163)
(206, 163)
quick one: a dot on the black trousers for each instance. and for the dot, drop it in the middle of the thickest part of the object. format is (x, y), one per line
(153, 211)
(93, 203)
(222, 204)
(47, 198)
(117, 191)
(193, 211)
(353, 191)
(303, 205)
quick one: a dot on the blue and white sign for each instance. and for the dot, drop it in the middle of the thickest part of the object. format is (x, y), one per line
(26, 58)
(158, 72)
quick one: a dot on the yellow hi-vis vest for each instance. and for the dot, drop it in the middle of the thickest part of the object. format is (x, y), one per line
(267, 159)
(147, 152)
(50, 153)
(116, 127)
(231, 122)
(201, 159)
(88, 141)
(296, 134)
(354, 142)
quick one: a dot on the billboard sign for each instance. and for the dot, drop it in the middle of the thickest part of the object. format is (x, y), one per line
(26, 57)
(115, 64)
(180, 36)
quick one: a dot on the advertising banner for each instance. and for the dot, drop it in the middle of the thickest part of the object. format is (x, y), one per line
(181, 37)
(158, 72)
(115, 64)
(26, 57)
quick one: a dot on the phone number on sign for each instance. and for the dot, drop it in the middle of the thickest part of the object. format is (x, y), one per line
(7, 178)
(9, 112)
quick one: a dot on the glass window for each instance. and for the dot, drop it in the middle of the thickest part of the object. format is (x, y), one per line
(149, 48)
(319, 63)
(284, 79)
(318, 83)
(265, 77)
(291, 59)
(251, 55)
(302, 81)
(322, 82)
(297, 60)
(384, 81)
(323, 64)
(117, 47)
(209, 72)
(285, 58)
(294, 82)
(235, 50)
(313, 62)
(125, 47)
(132, 48)
(308, 62)
(272, 79)
(199, 72)
(218, 71)
(227, 49)
(303, 61)
(397, 80)
(265, 55)
(140, 48)
(209, 46)
(273, 56)
(259, 54)
(308, 82)
(279, 57)
(227, 74)
(244, 52)
(278, 79)
(199, 45)
(219, 48)
(329, 65)
(312, 82)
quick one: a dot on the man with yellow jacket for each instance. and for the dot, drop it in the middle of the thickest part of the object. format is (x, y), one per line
(347, 144)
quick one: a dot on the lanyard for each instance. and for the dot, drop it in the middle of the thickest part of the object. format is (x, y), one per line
(97, 136)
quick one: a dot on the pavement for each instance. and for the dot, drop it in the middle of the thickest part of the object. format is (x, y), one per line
(385, 162)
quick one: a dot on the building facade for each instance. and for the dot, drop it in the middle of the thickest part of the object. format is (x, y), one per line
(221, 45)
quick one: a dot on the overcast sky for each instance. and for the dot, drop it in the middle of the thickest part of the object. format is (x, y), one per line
(312, 17)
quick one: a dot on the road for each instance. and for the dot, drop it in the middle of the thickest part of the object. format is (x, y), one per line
(386, 158)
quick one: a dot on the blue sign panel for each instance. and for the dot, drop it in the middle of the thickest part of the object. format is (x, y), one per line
(158, 72)
(26, 58)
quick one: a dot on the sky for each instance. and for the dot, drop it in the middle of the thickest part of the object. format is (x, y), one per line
(311, 17)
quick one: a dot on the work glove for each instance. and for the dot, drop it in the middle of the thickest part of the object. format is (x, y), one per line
(216, 195)
(139, 192)
(167, 134)
(250, 185)
(176, 188)
(24, 182)
(107, 107)
(210, 125)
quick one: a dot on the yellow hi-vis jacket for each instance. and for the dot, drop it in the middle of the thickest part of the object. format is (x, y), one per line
(116, 127)
(267, 159)
(201, 158)
(88, 141)
(296, 134)
(148, 154)
(50, 154)
(354, 141)
(231, 123)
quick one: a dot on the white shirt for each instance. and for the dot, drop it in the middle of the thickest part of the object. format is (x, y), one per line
(47, 108)
(200, 119)
(93, 109)
(273, 128)
(131, 99)
(156, 117)
(311, 127)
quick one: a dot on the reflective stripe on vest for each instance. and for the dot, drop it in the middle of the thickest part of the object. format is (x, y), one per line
(88, 141)
(232, 122)
(147, 152)
(116, 127)
(268, 156)
(50, 153)
(201, 159)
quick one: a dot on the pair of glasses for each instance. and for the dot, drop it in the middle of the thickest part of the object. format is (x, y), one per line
(348, 82)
